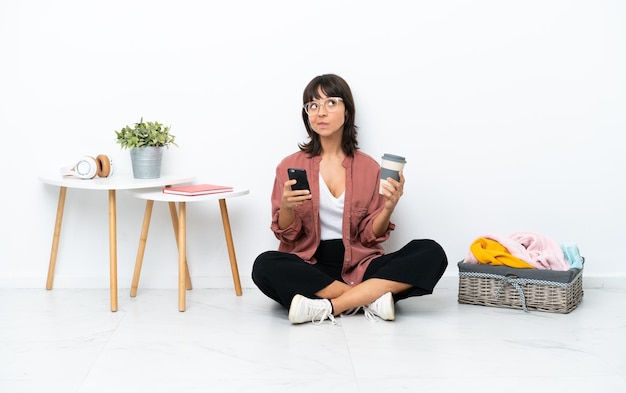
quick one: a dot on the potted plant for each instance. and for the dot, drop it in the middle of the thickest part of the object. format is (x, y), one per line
(146, 141)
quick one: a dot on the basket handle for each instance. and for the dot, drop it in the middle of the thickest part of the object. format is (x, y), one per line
(515, 281)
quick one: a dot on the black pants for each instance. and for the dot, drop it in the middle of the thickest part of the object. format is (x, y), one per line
(281, 276)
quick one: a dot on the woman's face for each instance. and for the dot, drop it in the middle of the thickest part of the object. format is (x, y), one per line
(327, 115)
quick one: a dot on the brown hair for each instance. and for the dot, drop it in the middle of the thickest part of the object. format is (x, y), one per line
(332, 86)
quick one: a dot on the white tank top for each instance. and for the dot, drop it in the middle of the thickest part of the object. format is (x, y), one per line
(331, 212)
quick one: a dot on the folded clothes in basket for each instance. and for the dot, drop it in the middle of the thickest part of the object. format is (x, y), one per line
(519, 250)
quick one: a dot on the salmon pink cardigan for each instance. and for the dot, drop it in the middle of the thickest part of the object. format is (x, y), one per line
(362, 203)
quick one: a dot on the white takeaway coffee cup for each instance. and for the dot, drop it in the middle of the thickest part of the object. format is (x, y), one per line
(391, 164)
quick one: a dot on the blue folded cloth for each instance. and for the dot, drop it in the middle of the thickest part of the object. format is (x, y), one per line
(572, 255)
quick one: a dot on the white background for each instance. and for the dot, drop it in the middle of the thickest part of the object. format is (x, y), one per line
(510, 114)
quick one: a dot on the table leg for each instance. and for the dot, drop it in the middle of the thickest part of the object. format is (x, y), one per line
(230, 246)
(182, 252)
(143, 238)
(174, 217)
(113, 249)
(56, 236)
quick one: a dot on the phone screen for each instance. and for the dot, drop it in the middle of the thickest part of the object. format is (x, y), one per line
(302, 183)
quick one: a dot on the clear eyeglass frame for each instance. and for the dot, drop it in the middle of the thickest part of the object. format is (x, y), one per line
(329, 104)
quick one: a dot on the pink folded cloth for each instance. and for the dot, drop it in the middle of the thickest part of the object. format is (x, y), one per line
(533, 248)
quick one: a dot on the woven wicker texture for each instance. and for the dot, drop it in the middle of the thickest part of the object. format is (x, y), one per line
(525, 294)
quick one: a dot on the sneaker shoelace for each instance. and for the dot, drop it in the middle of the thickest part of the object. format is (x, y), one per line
(351, 311)
(321, 314)
(370, 315)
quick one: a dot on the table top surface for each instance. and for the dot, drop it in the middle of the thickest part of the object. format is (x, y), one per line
(119, 181)
(157, 194)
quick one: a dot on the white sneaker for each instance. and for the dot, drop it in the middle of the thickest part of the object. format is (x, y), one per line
(303, 309)
(383, 308)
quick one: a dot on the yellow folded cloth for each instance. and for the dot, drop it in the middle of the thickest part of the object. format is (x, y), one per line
(491, 252)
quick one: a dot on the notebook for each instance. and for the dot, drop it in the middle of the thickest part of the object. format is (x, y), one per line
(197, 189)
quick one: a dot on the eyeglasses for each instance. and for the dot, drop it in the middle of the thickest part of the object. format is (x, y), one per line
(330, 104)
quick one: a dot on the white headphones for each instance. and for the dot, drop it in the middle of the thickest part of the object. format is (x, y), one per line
(87, 167)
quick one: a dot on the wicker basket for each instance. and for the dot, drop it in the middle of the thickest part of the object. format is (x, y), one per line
(526, 289)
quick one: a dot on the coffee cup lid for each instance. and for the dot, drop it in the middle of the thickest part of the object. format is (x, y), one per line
(393, 157)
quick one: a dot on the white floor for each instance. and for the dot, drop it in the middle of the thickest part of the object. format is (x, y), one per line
(68, 341)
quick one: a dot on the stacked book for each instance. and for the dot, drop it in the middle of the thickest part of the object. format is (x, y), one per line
(197, 189)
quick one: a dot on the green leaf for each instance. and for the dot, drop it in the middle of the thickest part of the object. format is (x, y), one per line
(143, 134)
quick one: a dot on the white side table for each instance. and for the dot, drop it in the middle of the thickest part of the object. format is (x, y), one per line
(119, 181)
(179, 220)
